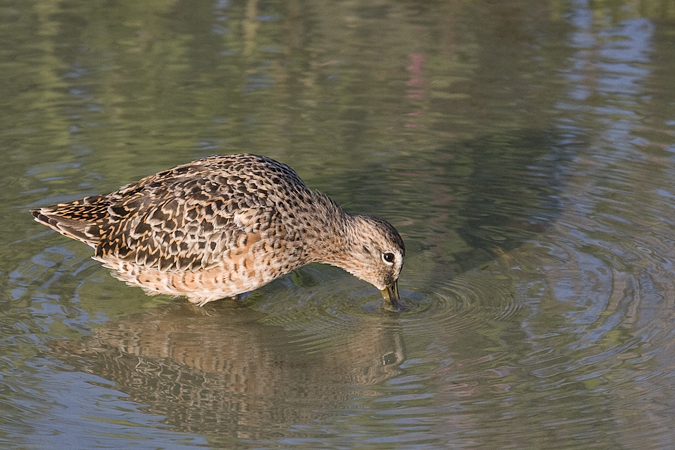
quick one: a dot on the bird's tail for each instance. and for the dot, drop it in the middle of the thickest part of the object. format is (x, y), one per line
(79, 219)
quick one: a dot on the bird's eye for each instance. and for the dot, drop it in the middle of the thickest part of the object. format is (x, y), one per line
(388, 257)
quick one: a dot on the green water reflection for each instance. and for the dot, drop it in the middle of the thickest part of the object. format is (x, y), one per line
(523, 149)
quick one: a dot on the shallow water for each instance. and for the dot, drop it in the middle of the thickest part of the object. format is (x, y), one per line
(524, 150)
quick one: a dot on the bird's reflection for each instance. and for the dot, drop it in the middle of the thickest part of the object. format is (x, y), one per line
(218, 370)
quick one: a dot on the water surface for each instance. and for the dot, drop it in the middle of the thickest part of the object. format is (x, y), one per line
(524, 150)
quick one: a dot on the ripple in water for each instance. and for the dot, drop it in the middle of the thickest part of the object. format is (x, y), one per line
(473, 300)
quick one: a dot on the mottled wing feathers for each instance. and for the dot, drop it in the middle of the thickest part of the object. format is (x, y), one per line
(176, 235)
(184, 218)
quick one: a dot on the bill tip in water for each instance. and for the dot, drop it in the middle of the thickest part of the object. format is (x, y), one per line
(391, 299)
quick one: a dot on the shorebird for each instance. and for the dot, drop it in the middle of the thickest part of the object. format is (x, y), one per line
(224, 225)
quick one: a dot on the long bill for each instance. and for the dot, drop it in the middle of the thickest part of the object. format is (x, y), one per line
(392, 301)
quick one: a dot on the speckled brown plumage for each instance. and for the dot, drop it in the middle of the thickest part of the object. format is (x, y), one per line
(224, 225)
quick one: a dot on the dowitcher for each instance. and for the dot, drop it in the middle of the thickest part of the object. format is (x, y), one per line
(224, 225)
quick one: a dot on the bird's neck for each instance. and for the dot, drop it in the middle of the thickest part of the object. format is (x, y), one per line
(331, 237)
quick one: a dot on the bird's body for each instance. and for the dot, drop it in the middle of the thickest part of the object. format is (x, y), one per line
(224, 225)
